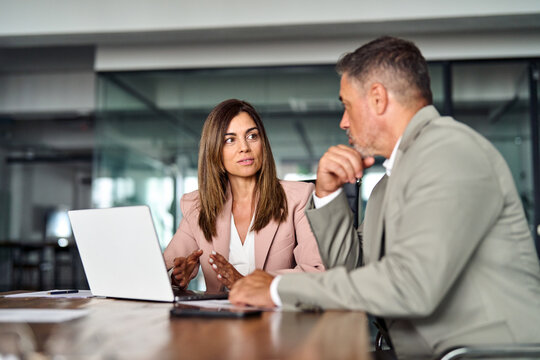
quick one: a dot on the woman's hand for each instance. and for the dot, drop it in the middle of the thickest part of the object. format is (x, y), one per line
(226, 273)
(184, 267)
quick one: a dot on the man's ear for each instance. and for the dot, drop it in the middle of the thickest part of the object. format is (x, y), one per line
(378, 98)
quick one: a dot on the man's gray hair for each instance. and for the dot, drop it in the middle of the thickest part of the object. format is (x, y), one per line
(398, 64)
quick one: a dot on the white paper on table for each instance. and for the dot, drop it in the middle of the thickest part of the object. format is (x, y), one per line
(40, 315)
(46, 294)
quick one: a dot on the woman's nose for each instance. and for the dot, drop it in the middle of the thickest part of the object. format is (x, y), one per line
(244, 145)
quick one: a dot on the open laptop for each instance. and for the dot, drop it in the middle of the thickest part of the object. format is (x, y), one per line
(121, 255)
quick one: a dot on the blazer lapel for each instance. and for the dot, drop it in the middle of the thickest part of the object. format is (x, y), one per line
(221, 242)
(263, 241)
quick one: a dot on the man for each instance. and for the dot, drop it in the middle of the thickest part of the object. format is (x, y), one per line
(448, 256)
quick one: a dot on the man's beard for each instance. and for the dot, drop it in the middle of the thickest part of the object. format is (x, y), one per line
(364, 151)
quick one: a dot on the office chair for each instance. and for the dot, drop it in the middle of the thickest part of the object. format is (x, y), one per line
(355, 202)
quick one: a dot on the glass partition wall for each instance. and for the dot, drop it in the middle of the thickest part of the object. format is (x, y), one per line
(493, 98)
(149, 123)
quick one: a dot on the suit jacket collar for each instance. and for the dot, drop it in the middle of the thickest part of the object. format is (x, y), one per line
(418, 122)
(422, 118)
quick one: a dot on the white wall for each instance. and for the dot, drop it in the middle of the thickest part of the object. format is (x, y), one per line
(37, 17)
(62, 91)
(166, 34)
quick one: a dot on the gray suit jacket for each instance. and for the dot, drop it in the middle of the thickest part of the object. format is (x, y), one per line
(460, 265)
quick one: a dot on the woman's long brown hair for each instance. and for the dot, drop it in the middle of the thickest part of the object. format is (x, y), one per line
(213, 179)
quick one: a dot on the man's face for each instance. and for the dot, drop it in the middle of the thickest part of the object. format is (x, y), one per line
(356, 120)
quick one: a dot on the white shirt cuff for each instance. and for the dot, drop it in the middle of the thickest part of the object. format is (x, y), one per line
(274, 292)
(320, 202)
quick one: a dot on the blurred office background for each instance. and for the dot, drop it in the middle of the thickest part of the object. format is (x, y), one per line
(102, 103)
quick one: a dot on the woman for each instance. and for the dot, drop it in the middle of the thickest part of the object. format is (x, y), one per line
(242, 217)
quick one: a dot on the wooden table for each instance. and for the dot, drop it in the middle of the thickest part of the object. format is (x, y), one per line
(121, 329)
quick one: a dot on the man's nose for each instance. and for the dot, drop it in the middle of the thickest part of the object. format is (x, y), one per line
(344, 123)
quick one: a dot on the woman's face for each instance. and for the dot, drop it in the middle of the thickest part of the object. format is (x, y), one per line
(242, 148)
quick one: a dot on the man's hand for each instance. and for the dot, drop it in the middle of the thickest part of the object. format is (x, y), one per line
(183, 268)
(253, 289)
(226, 273)
(339, 165)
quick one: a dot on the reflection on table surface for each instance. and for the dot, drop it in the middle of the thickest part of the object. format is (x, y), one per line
(122, 329)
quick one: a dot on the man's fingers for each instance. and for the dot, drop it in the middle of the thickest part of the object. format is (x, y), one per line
(236, 295)
(330, 177)
(253, 289)
(338, 167)
(349, 158)
(368, 161)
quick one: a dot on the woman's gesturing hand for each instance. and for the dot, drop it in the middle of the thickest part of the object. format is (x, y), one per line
(226, 273)
(184, 267)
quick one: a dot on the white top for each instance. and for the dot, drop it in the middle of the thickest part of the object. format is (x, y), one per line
(389, 163)
(242, 256)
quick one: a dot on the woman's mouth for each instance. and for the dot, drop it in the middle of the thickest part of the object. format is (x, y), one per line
(246, 161)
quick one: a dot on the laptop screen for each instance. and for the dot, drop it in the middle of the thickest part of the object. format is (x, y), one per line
(120, 253)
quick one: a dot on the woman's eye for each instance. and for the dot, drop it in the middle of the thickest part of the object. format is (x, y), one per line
(229, 141)
(252, 136)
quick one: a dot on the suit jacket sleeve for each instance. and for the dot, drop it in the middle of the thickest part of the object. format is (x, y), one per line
(183, 242)
(338, 240)
(306, 252)
(441, 205)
